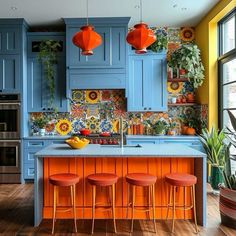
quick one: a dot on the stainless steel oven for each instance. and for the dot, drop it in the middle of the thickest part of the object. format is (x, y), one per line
(10, 170)
(9, 116)
(10, 161)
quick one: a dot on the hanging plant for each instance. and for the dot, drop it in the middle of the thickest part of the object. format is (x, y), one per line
(47, 55)
(188, 57)
(161, 41)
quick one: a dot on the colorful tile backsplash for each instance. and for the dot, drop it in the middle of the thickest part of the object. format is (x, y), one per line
(100, 110)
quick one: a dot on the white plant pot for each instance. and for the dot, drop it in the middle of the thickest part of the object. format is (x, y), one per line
(42, 132)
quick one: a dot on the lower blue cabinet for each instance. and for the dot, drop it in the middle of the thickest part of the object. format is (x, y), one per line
(30, 147)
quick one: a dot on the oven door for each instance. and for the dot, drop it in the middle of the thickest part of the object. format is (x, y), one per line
(9, 120)
(9, 156)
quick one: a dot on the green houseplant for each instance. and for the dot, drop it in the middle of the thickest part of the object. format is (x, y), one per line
(160, 127)
(47, 55)
(228, 190)
(188, 57)
(40, 122)
(215, 147)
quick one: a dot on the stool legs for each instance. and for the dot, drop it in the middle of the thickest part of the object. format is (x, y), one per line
(169, 202)
(113, 206)
(127, 208)
(54, 207)
(194, 207)
(93, 208)
(153, 207)
(173, 209)
(72, 191)
(133, 202)
(172, 202)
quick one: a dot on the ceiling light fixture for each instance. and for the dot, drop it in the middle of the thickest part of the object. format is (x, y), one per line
(87, 39)
(140, 37)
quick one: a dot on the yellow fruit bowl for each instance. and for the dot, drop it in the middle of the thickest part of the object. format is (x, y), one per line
(77, 143)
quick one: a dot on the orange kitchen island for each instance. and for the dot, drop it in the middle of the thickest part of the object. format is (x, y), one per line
(158, 160)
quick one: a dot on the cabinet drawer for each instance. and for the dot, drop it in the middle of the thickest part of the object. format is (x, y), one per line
(34, 143)
(28, 171)
(29, 155)
(184, 142)
(134, 142)
(57, 142)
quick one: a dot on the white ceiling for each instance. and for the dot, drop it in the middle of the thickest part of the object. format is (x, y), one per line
(155, 12)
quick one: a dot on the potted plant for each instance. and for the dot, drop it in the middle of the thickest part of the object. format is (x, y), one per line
(40, 122)
(187, 57)
(161, 41)
(228, 189)
(159, 128)
(215, 147)
(47, 55)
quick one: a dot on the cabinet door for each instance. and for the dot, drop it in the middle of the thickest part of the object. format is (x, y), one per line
(9, 40)
(154, 84)
(9, 73)
(147, 83)
(38, 93)
(136, 80)
(101, 57)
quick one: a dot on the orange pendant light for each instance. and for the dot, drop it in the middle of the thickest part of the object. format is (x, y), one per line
(140, 37)
(87, 39)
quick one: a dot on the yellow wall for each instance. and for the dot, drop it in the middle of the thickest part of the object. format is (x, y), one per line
(206, 39)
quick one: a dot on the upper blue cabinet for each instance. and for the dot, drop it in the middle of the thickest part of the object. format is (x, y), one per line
(37, 86)
(147, 82)
(107, 67)
(12, 55)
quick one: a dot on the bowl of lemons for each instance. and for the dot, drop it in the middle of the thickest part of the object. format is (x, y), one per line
(76, 142)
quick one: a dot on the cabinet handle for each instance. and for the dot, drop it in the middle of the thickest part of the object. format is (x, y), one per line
(145, 108)
(49, 109)
(150, 108)
(0, 91)
(44, 109)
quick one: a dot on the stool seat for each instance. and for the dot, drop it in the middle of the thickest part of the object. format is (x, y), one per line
(181, 179)
(102, 179)
(141, 179)
(64, 179)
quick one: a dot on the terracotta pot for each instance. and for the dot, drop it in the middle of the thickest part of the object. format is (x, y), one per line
(183, 99)
(227, 207)
(190, 97)
(182, 73)
(190, 131)
(171, 132)
(184, 129)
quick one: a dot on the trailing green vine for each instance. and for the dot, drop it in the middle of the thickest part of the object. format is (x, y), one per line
(47, 55)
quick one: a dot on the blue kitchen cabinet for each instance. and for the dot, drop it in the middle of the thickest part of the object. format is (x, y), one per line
(38, 91)
(12, 55)
(9, 39)
(107, 67)
(10, 73)
(190, 141)
(30, 147)
(147, 83)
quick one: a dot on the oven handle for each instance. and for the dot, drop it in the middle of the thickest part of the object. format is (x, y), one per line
(10, 103)
(10, 141)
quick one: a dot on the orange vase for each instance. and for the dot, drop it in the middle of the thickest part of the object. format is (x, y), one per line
(87, 39)
(141, 37)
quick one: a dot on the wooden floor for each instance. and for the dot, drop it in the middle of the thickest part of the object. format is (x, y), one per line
(16, 218)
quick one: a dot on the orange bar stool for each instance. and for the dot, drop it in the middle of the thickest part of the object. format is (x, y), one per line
(177, 180)
(143, 180)
(64, 180)
(103, 180)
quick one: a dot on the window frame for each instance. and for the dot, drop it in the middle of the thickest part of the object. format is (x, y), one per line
(222, 59)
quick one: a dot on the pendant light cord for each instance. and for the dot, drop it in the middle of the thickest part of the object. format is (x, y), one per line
(87, 12)
(141, 11)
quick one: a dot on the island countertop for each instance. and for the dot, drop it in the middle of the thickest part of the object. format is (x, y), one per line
(96, 150)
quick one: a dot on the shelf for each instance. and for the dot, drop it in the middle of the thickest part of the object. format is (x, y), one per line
(178, 80)
(182, 104)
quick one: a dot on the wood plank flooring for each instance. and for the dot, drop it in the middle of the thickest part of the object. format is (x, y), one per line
(16, 218)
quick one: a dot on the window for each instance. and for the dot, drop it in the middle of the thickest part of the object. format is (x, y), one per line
(227, 72)
(227, 67)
